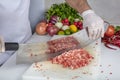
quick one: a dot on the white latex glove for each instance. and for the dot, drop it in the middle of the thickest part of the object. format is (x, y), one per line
(94, 23)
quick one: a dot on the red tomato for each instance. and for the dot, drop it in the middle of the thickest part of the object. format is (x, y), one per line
(110, 31)
(66, 20)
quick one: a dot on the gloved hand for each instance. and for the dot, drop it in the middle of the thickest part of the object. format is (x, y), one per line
(94, 23)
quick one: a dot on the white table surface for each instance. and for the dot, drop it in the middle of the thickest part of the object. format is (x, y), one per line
(110, 63)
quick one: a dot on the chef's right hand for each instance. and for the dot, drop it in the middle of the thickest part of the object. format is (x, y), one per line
(94, 23)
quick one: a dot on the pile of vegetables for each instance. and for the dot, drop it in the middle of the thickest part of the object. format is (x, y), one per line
(112, 37)
(64, 11)
(61, 19)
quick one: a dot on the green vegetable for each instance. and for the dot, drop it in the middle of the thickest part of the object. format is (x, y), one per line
(67, 32)
(63, 11)
(117, 28)
(61, 33)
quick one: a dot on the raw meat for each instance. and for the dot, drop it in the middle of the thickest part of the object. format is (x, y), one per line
(73, 59)
(61, 44)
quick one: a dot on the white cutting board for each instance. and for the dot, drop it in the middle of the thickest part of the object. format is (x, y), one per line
(49, 71)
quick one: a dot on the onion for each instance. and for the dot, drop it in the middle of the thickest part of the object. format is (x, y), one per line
(41, 28)
(59, 25)
(52, 30)
(53, 19)
(65, 27)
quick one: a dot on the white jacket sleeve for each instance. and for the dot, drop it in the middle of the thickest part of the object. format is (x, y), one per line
(14, 23)
(5, 56)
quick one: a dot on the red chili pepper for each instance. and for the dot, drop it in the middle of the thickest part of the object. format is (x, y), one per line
(109, 47)
(112, 40)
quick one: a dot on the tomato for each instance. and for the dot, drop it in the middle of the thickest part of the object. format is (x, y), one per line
(110, 31)
(66, 20)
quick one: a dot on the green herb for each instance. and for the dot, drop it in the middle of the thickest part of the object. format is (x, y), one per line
(63, 11)
(117, 28)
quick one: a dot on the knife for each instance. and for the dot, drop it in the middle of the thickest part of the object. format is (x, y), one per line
(34, 52)
(81, 36)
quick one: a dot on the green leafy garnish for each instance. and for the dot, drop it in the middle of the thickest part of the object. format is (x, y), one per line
(117, 28)
(63, 11)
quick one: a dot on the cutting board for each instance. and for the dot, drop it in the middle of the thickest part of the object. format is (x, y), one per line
(47, 71)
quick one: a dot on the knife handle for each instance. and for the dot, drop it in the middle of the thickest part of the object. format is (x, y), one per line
(11, 46)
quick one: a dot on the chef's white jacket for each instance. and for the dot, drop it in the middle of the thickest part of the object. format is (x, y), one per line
(14, 23)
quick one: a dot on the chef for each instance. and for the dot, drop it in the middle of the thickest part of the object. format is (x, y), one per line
(15, 25)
